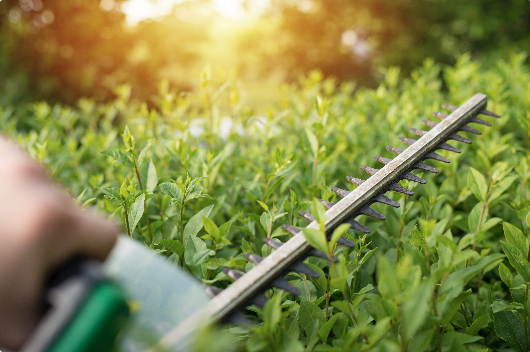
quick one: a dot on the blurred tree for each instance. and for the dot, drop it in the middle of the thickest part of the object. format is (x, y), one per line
(61, 50)
(350, 39)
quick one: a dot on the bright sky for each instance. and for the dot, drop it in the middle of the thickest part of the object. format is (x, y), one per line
(137, 10)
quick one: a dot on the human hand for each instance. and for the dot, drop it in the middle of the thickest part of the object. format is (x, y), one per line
(40, 228)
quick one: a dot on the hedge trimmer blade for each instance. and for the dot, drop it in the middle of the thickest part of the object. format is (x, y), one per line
(268, 272)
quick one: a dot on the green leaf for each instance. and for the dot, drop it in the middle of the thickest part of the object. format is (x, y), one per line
(263, 205)
(119, 156)
(112, 193)
(509, 327)
(194, 225)
(516, 259)
(272, 314)
(174, 245)
(172, 190)
(202, 256)
(320, 281)
(337, 233)
(515, 237)
(505, 274)
(326, 328)
(148, 176)
(453, 306)
(477, 183)
(142, 153)
(318, 211)
(313, 141)
(193, 246)
(316, 238)
(211, 228)
(417, 306)
(477, 216)
(273, 187)
(265, 221)
(308, 313)
(136, 211)
(478, 324)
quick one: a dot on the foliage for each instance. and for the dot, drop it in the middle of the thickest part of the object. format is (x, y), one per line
(62, 51)
(351, 39)
(447, 271)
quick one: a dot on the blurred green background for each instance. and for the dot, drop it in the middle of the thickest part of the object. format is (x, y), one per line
(62, 50)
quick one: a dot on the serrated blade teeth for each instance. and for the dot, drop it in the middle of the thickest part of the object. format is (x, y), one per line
(319, 254)
(212, 291)
(231, 273)
(355, 181)
(283, 284)
(448, 147)
(409, 141)
(256, 259)
(385, 200)
(411, 177)
(422, 166)
(272, 243)
(236, 318)
(382, 160)
(395, 150)
(298, 266)
(418, 132)
(483, 111)
(306, 216)
(291, 229)
(312, 252)
(489, 113)
(440, 115)
(278, 282)
(480, 121)
(399, 188)
(342, 193)
(326, 204)
(470, 129)
(442, 145)
(458, 138)
(354, 225)
(437, 157)
(369, 170)
(304, 269)
(429, 123)
(366, 210)
(449, 107)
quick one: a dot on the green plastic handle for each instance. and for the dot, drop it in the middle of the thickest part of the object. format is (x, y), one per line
(97, 323)
(86, 311)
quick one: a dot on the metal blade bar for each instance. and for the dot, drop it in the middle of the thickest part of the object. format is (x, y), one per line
(237, 294)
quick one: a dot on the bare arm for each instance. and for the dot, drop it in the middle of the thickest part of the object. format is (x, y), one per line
(40, 228)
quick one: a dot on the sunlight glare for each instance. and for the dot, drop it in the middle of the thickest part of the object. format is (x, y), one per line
(138, 10)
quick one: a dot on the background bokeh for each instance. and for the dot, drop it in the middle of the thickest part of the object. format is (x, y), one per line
(62, 50)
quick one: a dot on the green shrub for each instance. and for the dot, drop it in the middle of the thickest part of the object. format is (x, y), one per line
(435, 280)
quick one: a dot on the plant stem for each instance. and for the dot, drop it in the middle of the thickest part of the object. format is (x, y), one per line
(401, 222)
(327, 293)
(270, 233)
(145, 202)
(127, 221)
(315, 161)
(464, 313)
(525, 316)
(182, 232)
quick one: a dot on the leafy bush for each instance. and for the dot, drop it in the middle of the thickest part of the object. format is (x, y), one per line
(448, 270)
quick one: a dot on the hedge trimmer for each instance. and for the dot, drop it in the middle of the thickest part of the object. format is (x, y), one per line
(166, 326)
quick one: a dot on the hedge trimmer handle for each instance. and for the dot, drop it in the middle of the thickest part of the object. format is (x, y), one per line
(85, 311)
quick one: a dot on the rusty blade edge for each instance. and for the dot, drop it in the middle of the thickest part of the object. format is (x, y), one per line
(483, 111)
